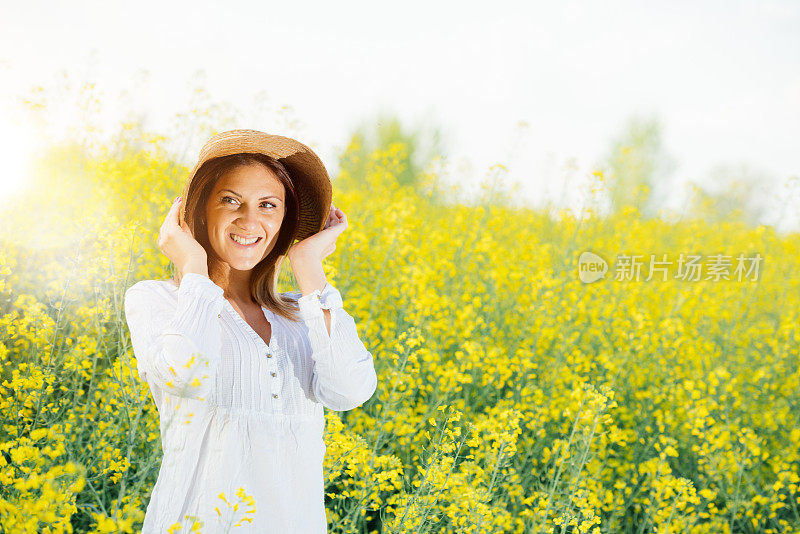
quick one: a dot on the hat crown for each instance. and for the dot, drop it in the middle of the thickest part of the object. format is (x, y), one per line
(244, 140)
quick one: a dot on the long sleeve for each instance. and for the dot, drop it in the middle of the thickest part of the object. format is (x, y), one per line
(344, 373)
(178, 347)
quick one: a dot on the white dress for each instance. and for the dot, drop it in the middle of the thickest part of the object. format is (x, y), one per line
(237, 412)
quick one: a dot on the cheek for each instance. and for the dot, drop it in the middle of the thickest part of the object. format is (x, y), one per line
(276, 221)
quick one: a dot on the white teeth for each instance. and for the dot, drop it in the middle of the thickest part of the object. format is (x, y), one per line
(243, 241)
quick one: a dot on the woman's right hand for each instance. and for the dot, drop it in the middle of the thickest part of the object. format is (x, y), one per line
(179, 245)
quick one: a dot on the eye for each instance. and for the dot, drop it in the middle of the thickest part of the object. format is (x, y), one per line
(226, 198)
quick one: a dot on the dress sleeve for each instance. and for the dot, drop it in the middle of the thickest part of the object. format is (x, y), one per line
(344, 375)
(178, 347)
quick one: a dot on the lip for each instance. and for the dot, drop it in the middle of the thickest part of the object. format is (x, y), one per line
(244, 246)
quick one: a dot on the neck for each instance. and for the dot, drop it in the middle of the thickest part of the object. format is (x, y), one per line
(235, 284)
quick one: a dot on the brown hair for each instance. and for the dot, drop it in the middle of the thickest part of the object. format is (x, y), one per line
(264, 277)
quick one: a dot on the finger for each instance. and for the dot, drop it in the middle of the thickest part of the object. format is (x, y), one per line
(186, 229)
(174, 206)
(174, 210)
(171, 218)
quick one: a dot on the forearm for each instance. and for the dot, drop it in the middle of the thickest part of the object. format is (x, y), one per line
(344, 374)
(310, 276)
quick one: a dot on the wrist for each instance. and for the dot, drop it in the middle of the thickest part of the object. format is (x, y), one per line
(196, 267)
(299, 256)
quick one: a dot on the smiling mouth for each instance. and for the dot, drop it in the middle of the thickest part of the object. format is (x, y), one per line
(244, 243)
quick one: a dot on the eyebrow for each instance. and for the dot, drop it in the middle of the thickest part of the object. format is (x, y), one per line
(262, 198)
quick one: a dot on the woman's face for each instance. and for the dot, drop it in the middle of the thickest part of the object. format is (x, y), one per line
(247, 204)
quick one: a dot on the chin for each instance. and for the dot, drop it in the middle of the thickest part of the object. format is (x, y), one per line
(240, 263)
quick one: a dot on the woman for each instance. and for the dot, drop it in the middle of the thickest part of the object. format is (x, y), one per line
(238, 372)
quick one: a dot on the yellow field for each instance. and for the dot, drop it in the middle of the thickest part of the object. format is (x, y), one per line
(512, 397)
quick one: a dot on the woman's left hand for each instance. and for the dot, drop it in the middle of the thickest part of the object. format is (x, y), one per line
(323, 243)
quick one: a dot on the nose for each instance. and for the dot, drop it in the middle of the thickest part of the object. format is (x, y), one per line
(247, 219)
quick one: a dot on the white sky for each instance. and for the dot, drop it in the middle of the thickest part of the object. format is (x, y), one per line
(723, 77)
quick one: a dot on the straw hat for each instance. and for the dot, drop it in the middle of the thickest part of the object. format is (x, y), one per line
(311, 180)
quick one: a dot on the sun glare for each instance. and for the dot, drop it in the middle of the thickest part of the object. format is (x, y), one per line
(15, 151)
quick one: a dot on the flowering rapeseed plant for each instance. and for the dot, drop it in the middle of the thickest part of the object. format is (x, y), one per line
(511, 396)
